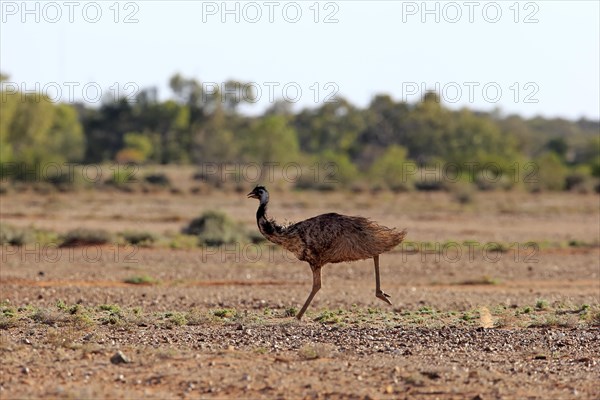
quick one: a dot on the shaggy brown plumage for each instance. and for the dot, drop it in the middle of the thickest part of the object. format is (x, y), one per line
(328, 238)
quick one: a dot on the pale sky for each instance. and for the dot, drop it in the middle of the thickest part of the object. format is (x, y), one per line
(530, 58)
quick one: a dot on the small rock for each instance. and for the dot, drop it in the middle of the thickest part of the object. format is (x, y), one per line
(120, 358)
(88, 337)
(27, 341)
(120, 378)
(41, 273)
(25, 370)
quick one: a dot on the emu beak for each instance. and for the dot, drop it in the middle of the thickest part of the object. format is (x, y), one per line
(251, 195)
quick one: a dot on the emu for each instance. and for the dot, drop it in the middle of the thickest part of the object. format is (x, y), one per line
(328, 238)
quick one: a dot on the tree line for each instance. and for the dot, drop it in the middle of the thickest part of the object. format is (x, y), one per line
(377, 141)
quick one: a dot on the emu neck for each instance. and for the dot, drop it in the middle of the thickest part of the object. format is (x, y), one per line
(265, 226)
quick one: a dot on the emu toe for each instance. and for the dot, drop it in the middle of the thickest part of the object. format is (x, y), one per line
(383, 296)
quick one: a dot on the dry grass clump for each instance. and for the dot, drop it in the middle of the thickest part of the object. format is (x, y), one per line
(86, 237)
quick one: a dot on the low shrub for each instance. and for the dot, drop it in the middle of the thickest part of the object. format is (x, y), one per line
(141, 238)
(429, 184)
(487, 180)
(86, 237)
(158, 179)
(215, 228)
(141, 280)
(124, 178)
(15, 236)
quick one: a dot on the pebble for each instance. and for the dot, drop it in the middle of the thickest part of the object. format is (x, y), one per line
(119, 358)
(88, 337)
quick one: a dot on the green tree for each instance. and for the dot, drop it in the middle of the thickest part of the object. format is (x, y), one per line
(270, 139)
(137, 148)
(477, 140)
(550, 171)
(35, 132)
(559, 146)
(334, 126)
(338, 168)
(427, 125)
(66, 133)
(393, 169)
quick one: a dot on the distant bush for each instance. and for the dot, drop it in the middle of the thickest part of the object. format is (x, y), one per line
(123, 177)
(328, 171)
(15, 236)
(141, 238)
(215, 228)
(551, 173)
(429, 184)
(393, 170)
(138, 147)
(337, 168)
(580, 180)
(129, 156)
(574, 179)
(158, 179)
(487, 180)
(182, 241)
(85, 237)
(306, 181)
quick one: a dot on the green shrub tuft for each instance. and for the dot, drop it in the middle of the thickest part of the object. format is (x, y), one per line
(141, 238)
(215, 228)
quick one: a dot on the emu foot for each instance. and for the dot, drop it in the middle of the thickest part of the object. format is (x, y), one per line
(383, 296)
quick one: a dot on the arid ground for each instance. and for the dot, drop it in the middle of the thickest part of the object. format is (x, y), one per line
(498, 297)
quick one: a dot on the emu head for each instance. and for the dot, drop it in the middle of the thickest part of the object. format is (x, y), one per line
(261, 193)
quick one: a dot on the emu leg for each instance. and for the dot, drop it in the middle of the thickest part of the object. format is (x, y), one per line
(315, 288)
(380, 294)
